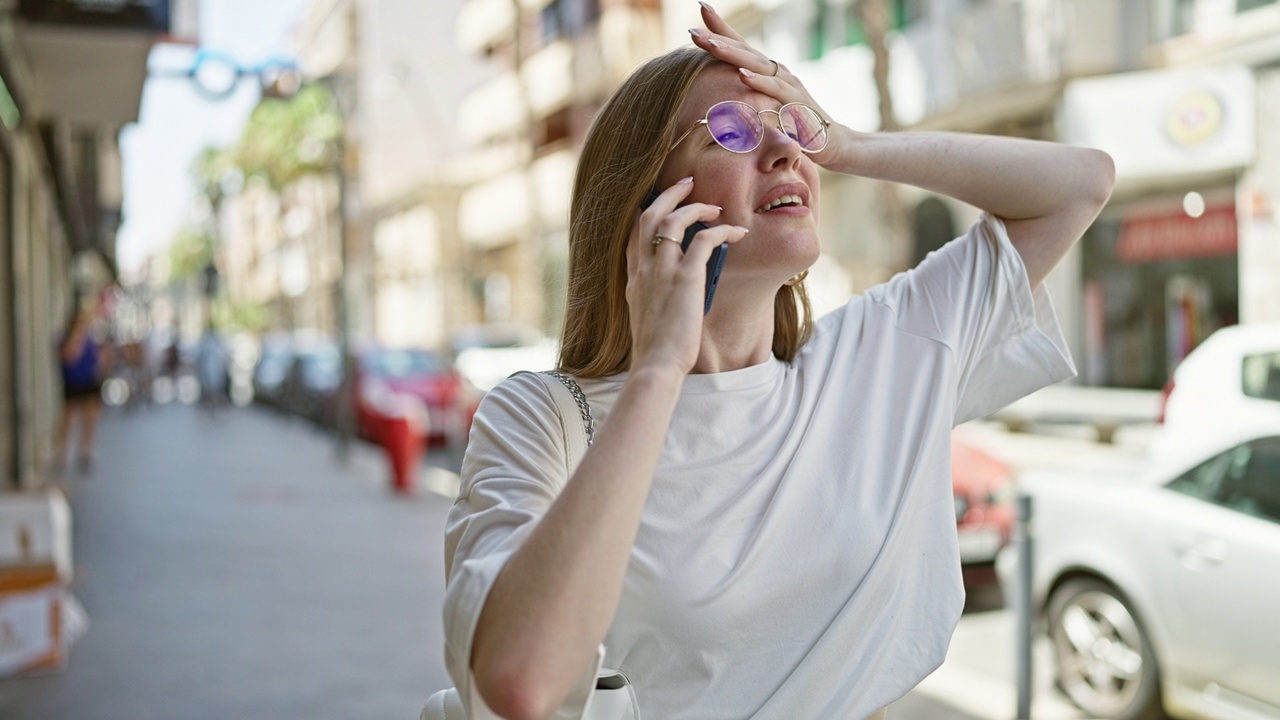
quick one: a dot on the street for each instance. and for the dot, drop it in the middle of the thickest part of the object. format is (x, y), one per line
(230, 567)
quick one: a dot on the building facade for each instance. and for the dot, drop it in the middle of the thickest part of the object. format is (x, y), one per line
(60, 191)
(1175, 90)
(554, 63)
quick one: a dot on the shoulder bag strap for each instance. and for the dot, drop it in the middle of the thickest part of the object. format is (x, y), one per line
(575, 415)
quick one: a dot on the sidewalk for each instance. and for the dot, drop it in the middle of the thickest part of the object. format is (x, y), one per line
(231, 569)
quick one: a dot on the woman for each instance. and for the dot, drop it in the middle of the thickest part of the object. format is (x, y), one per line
(83, 366)
(763, 526)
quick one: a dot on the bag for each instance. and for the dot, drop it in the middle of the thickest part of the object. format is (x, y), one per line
(613, 698)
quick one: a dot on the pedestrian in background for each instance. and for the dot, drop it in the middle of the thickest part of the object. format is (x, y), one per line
(84, 361)
(763, 525)
(212, 364)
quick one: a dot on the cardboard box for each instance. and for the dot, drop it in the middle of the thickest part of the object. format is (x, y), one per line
(32, 625)
(35, 529)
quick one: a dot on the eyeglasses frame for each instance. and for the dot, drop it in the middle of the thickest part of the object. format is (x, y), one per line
(706, 122)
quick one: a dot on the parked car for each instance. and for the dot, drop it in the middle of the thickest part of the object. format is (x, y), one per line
(1159, 588)
(1230, 381)
(984, 489)
(421, 374)
(313, 377)
(275, 355)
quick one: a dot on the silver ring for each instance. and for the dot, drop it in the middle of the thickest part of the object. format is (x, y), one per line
(775, 68)
(657, 239)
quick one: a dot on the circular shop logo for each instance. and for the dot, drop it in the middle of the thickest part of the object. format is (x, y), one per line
(1194, 118)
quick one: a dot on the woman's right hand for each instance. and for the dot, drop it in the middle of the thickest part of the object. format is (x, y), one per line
(666, 286)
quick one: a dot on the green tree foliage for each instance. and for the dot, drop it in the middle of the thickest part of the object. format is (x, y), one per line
(286, 139)
(191, 251)
(212, 169)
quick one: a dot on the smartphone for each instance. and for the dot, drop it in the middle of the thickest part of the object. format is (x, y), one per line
(714, 264)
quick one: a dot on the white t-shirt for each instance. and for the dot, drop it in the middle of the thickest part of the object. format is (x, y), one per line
(797, 557)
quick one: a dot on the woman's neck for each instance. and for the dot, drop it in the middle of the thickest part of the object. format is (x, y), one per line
(736, 334)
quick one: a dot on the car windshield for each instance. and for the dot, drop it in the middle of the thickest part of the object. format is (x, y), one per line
(404, 363)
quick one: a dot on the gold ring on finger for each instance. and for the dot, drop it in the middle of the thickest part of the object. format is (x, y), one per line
(657, 239)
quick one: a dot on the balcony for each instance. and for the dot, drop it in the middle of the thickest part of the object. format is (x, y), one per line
(62, 38)
(485, 24)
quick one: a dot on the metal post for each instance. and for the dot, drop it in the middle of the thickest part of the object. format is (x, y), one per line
(1025, 543)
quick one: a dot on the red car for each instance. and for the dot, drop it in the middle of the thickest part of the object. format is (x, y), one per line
(984, 493)
(418, 373)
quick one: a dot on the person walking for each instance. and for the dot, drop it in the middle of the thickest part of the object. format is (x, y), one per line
(83, 362)
(762, 525)
(212, 364)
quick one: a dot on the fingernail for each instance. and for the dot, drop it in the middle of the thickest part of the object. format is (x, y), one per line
(685, 181)
(714, 43)
(706, 7)
(744, 230)
(695, 32)
(746, 73)
(718, 208)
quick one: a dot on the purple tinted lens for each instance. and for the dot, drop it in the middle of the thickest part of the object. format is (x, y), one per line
(735, 126)
(804, 125)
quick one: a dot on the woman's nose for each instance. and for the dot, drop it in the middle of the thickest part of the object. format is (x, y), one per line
(778, 148)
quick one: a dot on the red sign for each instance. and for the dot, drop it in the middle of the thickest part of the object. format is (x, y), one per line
(1176, 235)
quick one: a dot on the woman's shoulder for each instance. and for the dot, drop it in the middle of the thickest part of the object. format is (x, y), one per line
(522, 394)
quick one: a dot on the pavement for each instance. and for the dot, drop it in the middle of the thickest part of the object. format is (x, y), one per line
(232, 567)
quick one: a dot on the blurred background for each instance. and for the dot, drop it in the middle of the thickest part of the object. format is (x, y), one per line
(259, 261)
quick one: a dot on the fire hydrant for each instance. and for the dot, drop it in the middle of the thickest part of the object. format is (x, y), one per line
(404, 425)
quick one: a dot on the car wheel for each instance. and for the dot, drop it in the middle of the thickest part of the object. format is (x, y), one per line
(1105, 662)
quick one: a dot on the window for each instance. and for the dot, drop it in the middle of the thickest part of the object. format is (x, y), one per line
(1260, 376)
(1202, 481)
(554, 128)
(552, 22)
(1252, 486)
(1245, 479)
(1246, 5)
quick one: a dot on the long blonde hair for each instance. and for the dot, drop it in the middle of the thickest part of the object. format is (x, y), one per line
(620, 161)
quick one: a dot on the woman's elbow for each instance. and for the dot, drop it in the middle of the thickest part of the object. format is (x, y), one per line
(1102, 175)
(513, 694)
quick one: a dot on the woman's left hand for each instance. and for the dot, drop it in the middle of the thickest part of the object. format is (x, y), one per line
(757, 70)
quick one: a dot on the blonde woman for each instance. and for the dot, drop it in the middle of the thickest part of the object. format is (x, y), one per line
(763, 526)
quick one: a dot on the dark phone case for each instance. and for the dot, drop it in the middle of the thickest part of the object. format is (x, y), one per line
(714, 264)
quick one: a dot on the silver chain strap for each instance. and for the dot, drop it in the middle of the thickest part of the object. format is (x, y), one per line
(580, 398)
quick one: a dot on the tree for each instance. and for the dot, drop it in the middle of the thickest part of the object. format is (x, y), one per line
(189, 254)
(286, 139)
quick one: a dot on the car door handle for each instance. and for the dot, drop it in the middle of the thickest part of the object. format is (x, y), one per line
(1202, 552)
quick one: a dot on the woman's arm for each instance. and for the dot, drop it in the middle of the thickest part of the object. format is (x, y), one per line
(553, 601)
(1048, 194)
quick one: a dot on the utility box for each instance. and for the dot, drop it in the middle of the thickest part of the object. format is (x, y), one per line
(35, 529)
(33, 635)
(38, 617)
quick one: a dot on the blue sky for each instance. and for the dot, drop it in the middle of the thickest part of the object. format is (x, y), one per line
(175, 121)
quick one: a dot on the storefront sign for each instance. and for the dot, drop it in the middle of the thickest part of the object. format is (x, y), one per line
(1176, 235)
(1166, 123)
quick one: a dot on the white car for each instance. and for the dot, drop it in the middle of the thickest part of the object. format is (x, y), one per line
(1230, 381)
(1162, 587)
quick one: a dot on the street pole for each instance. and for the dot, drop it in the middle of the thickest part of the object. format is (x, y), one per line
(1024, 541)
(342, 88)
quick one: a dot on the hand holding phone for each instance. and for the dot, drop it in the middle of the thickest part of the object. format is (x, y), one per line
(714, 264)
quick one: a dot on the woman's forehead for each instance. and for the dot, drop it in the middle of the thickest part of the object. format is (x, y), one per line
(719, 81)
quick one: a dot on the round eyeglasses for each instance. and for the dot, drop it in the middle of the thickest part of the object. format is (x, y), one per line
(739, 127)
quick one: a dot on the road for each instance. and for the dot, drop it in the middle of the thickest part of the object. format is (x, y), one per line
(231, 568)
